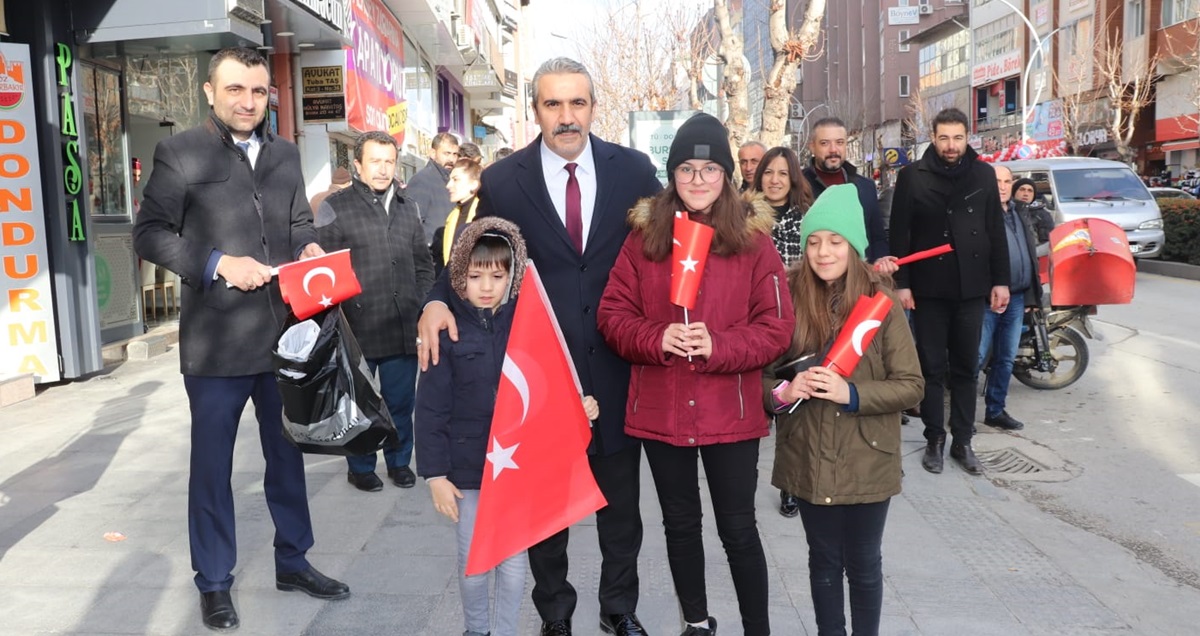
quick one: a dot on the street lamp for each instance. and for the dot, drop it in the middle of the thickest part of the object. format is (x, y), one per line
(1038, 52)
(1024, 78)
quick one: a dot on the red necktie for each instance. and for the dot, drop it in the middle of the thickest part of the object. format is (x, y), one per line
(574, 209)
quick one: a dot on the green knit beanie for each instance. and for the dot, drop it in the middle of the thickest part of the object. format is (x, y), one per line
(837, 210)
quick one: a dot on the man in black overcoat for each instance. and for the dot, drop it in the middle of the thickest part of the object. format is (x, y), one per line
(574, 245)
(225, 203)
(950, 196)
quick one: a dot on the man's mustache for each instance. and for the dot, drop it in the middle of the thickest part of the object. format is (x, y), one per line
(567, 128)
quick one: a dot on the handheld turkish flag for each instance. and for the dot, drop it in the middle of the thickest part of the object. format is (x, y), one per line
(537, 479)
(689, 254)
(860, 328)
(313, 285)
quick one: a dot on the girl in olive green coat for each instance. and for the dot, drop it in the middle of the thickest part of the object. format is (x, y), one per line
(839, 449)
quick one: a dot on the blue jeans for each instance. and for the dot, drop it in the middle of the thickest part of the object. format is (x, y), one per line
(1001, 335)
(508, 578)
(398, 383)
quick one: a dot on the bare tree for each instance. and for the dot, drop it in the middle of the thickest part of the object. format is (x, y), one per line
(1128, 85)
(791, 48)
(639, 61)
(732, 55)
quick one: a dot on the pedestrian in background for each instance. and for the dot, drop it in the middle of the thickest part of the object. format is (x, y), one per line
(950, 196)
(455, 404)
(240, 190)
(780, 181)
(839, 449)
(828, 167)
(470, 150)
(749, 156)
(569, 191)
(380, 226)
(463, 186)
(783, 186)
(1024, 194)
(1001, 332)
(694, 383)
(427, 188)
(341, 181)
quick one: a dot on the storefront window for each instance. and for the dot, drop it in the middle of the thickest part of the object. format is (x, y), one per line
(104, 127)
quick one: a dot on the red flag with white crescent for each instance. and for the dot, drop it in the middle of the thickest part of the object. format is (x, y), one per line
(858, 332)
(313, 285)
(689, 253)
(537, 479)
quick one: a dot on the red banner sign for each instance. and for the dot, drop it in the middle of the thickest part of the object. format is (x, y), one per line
(375, 70)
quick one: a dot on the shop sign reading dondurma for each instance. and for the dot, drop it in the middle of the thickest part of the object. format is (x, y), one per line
(27, 328)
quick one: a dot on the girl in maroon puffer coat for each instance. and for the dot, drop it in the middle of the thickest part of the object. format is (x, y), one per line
(695, 387)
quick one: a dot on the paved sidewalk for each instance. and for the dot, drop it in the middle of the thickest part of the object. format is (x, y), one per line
(109, 454)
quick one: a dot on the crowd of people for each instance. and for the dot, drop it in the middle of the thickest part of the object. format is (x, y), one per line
(441, 261)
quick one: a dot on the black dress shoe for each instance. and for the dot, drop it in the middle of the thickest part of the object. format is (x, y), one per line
(621, 625)
(789, 505)
(966, 458)
(216, 608)
(556, 628)
(711, 630)
(366, 482)
(932, 461)
(1004, 421)
(402, 477)
(312, 583)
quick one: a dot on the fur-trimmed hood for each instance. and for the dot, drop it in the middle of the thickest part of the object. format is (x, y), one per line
(760, 214)
(460, 254)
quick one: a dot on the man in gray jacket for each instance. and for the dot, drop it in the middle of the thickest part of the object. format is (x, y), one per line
(428, 187)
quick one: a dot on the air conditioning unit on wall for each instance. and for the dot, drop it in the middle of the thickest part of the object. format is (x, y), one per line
(926, 9)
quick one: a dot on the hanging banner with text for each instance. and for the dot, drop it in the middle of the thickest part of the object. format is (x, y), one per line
(26, 308)
(652, 132)
(375, 71)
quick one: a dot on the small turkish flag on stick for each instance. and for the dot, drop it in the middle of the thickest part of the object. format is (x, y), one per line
(860, 328)
(924, 254)
(689, 254)
(313, 285)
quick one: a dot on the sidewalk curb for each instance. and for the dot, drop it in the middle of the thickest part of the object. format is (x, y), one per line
(1169, 268)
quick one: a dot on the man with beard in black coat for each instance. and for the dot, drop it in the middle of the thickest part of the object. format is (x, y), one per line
(950, 196)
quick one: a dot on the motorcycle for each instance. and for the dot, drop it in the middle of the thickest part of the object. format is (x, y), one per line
(1052, 352)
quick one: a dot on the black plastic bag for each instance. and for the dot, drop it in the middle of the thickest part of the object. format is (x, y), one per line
(331, 401)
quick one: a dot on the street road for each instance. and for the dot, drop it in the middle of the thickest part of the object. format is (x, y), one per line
(1127, 440)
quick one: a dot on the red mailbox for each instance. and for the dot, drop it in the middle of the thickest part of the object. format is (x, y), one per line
(1090, 264)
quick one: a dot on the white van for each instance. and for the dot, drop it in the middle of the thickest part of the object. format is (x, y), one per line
(1078, 187)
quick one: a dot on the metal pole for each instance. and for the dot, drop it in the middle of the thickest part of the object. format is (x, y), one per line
(1024, 81)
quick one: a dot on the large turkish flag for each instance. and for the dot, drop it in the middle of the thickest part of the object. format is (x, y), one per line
(536, 480)
(313, 285)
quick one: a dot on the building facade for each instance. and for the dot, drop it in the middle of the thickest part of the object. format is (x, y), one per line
(88, 89)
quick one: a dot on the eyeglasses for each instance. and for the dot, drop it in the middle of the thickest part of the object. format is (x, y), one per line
(711, 173)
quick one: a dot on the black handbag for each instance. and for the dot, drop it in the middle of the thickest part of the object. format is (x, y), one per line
(331, 400)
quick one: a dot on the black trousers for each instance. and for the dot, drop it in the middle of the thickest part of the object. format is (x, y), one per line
(619, 526)
(732, 472)
(216, 406)
(845, 540)
(947, 336)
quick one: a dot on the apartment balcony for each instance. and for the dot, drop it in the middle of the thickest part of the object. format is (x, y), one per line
(996, 122)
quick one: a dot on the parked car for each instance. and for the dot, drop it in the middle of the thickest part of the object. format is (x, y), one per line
(1082, 187)
(1170, 193)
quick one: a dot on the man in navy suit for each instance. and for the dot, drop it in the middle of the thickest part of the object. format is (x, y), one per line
(226, 201)
(569, 192)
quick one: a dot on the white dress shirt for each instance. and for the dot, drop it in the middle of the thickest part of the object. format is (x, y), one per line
(554, 170)
(254, 148)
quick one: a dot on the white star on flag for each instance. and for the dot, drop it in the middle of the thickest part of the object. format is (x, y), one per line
(325, 301)
(501, 457)
(689, 265)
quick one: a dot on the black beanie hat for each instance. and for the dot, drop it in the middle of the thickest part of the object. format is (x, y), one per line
(702, 136)
(1023, 181)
